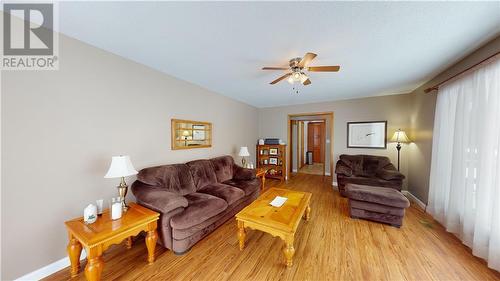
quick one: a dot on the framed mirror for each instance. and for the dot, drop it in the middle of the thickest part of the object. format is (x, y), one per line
(188, 134)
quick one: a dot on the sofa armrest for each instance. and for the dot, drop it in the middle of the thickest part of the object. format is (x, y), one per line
(389, 174)
(341, 169)
(157, 199)
(241, 173)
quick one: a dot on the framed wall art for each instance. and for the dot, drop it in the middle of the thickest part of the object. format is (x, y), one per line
(370, 134)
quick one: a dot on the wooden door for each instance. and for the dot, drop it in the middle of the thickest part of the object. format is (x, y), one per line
(316, 141)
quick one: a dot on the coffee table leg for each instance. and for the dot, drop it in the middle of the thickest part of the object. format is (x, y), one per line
(128, 243)
(263, 181)
(95, 264)
(308, 213)
(241, 235)
(74, 250)
(151, 239)
(289, 251)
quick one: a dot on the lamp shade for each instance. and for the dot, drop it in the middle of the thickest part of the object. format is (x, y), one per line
(400, 136)
(120, 167)
(244, 151)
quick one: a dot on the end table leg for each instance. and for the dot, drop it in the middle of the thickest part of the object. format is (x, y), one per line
(308, 213)
(95, 264)
(151, 239)
(74, 250)
(241, 235)
(289, 251)
(128, 242)
(263, 181)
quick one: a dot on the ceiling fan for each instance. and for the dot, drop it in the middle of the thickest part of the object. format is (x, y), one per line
(297, 68)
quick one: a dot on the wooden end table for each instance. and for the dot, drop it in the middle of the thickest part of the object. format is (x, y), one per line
(97, 237)
(277, 221)
(261, 173)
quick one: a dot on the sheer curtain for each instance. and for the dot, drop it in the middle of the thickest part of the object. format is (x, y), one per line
(464, 191)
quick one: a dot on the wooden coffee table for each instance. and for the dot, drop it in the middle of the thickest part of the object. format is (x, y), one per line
(97, 237)
(282, 221)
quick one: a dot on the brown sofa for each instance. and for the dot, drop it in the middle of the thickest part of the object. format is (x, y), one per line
(367, 170)
(195, 198)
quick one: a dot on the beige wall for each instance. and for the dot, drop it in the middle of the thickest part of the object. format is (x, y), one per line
(422, 121)
(60, 129)
(394, 109)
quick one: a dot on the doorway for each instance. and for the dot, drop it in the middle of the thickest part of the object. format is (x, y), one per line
(314, 148)
(310, 143)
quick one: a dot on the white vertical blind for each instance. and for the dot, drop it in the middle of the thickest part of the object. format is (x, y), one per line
(464, 191)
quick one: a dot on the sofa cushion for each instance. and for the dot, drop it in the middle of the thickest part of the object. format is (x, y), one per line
(203, 172)
(227, 192)
(175, 178)
(223, 167)
(355, 162)
(200, 207)
(379, 195)
(248, 186)
(372, 164)
(390, 175)
(378, 208)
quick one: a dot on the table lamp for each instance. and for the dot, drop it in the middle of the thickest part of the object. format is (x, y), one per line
(399, 137)
(186, 134)
(121, 167)
(243, 153)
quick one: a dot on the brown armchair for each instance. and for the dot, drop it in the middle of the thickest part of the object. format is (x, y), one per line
(367, 170)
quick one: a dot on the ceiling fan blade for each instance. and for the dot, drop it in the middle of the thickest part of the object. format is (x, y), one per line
(332, 68)
(274, 68)
(307, 82)
(306, 59)
(280, 78)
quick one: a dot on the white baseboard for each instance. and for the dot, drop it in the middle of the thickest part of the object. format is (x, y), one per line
(335, 184)
(327, 174)
(294, 170)
(413, 198)
(49, 269)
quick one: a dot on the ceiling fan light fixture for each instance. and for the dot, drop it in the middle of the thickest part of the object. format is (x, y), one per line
(297, 76)
(303, 78)
(290, 79)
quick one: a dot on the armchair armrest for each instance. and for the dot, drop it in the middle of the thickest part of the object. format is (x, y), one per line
(241, 173)
(342, 169)
(388, 175)
(157, 199)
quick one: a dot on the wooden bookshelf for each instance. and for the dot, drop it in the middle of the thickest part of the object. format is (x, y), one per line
(273, 159)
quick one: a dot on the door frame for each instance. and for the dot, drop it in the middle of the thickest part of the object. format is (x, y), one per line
(328, 116)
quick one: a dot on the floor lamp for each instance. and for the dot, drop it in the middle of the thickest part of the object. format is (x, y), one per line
(399, 137)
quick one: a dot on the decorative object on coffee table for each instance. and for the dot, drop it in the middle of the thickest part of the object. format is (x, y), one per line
(380, 204)
(243, 153)
(121, 167)
(399, 137)
(371, 134)
(97, 237)
(278, 221)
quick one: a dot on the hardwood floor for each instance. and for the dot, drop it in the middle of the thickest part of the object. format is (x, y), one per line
(331, 246)
(313, 169)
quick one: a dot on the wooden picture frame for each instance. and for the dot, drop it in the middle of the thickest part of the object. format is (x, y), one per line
(273, 151)
(273, 161)
(367, 134)
(188, 134)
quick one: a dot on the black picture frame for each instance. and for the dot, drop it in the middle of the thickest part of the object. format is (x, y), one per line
(354, 141)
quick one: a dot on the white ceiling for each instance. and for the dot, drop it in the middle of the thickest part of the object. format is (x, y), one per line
(382, 47)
